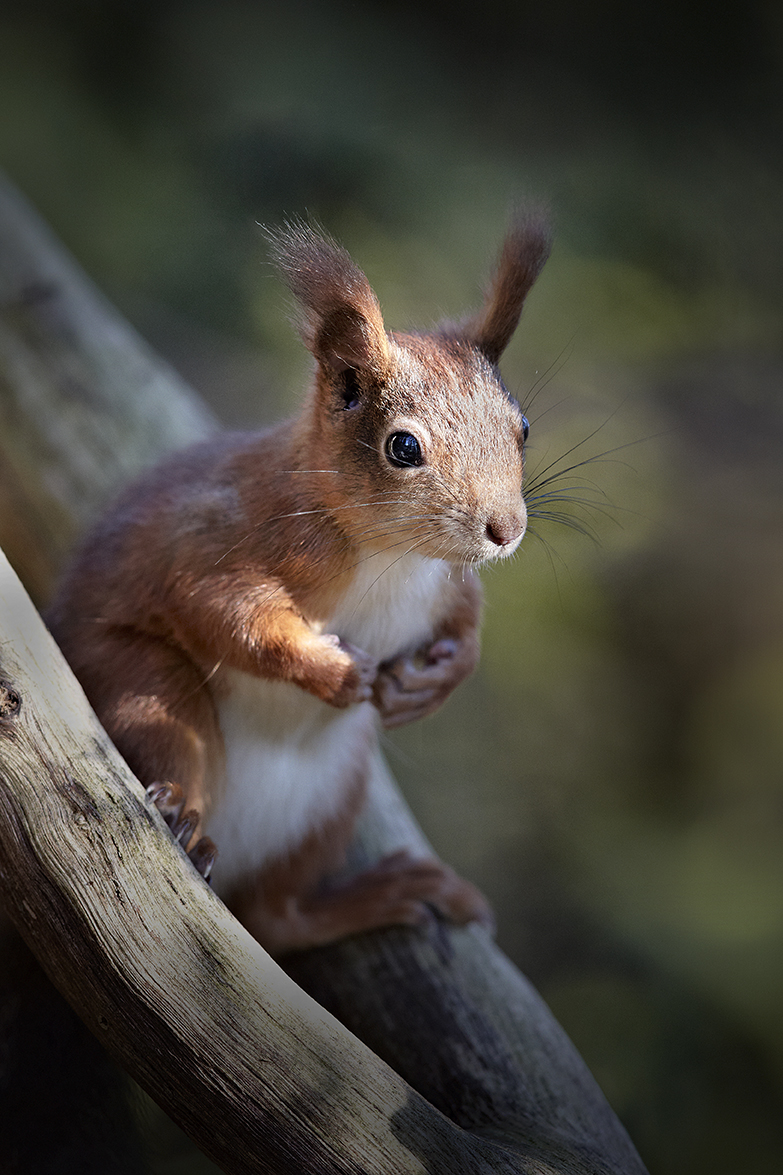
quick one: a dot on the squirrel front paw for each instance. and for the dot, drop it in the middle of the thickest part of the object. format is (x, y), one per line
(411, 687)
(169, 799)
(359, 673)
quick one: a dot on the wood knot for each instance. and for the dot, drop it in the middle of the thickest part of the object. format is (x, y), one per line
(10, 700)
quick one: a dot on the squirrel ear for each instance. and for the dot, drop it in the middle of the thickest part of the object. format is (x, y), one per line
(341, 322)
(522, 258)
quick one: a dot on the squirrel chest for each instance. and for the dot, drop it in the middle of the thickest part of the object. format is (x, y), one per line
(290, 756)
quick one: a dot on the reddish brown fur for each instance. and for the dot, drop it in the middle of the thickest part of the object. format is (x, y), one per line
(234, 553)
(524, 254)
(342, 322)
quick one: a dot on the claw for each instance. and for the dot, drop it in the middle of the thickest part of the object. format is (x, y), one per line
(442, 650)
(184, 828)
(203, 855)
(169, 799)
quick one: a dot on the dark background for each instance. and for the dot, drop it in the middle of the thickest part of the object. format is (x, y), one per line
(612, 776)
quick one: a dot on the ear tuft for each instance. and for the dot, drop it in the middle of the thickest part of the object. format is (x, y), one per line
(525, 250)
(342, 323)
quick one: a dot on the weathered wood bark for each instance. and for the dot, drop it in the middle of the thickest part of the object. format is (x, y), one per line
(84, 404)
(159, 960)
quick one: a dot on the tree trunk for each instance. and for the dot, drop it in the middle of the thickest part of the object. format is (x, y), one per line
(151, 960)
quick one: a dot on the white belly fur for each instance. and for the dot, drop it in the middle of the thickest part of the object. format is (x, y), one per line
(289, 756)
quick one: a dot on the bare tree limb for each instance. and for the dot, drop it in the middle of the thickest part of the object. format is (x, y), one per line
(84, 403)
(170, 982)
(160, 970)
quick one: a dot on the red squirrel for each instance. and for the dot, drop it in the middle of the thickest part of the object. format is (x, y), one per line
(249, 611)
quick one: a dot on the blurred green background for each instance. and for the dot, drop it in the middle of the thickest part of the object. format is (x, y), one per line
(612, 775)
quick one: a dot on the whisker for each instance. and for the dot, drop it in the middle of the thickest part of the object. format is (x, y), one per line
(607, 511)
(387, 528)
(201, 685)
(562, 491)
(552, 407)
(604, 506)
(322, 510)
(568, 521)
(351, 566)
(535, 482)
(542, 381)
(540, 473)
(367, 537)
(382, 572)
(549, 552)
(584, 441)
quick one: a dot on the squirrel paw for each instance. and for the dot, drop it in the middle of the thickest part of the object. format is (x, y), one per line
(169, 799)
(357, 684)
(442, 889)
(411, 687)
(400, 890)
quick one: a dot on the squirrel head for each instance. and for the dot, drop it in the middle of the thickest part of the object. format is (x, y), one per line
(424, 445)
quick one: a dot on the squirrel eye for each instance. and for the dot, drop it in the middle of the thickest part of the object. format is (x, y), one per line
(525, 429)
(402, 449)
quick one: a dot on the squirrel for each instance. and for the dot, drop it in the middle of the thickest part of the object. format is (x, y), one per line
(249, 612)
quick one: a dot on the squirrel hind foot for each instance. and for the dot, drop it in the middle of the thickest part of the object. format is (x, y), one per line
(400, 890)
(169, 799)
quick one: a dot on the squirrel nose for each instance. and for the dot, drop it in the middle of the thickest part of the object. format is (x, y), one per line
(505, 529)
